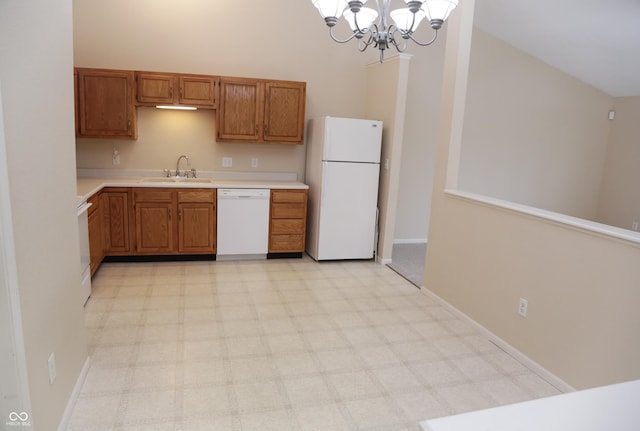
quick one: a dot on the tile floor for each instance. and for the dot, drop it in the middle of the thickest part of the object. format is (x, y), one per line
(281, 345)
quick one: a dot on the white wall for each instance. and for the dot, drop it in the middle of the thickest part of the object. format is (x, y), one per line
(37, 98)
(582, 287)
(532, 134)
(277, 39)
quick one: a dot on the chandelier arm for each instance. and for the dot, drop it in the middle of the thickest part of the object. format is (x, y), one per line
(342, 40)
(362, 45)
(398, 47)
(410, 36)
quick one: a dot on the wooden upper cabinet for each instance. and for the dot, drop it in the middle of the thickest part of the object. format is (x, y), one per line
(154, 88)
(239, 114)
(198, 91)
(284, 111)
(175, 89)
(255, 110)
(105, 104)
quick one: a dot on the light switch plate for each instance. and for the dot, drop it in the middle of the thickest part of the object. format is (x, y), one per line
(227, 162)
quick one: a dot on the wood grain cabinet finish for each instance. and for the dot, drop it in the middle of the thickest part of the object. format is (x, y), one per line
(153, 221)
(196, 221)
(288, 220)
(114, 206)
(255, 110)
(105, 104)
(96, 247)
(284, 107)
(174, 221)
(176, 89)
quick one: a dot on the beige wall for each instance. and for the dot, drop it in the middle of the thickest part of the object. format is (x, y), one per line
(582, 287)
(619, 203)
(277, 39)
(421, 121)
(386, 101)
(532, 134)
(37, 99)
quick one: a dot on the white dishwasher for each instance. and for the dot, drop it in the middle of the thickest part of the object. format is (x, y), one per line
(243, 224)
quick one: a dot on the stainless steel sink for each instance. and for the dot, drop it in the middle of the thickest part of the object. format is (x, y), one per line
(174, 180)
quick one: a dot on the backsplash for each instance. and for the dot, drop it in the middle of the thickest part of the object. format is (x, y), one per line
(165, 135)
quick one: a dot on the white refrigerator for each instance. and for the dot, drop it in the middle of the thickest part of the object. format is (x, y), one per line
(343, 169)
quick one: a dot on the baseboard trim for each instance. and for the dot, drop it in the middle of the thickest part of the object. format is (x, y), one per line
(68, 411)
(532, 365)
(411, 241)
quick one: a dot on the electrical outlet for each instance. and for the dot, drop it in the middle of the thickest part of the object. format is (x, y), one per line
(116, 157)
(51, 362)
(254, 162)
(227, 162)
(523, 307)
(634, 225)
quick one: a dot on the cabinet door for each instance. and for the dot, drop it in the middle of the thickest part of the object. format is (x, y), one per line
(200, 91)
(284, 111)
(114, 206)
(154, 88)
(239, 115)
(106, 106)
(154, 231)
(196, 228)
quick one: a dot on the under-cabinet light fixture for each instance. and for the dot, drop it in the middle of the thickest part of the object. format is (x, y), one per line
(382, 34)
(179, 107)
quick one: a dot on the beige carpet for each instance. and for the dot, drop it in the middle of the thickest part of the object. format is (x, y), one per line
(408, 261)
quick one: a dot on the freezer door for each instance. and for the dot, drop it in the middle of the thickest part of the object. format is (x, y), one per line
(352, 140)
(349, 198)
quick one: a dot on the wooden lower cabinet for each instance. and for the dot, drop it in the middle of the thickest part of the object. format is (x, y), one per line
(114, 206)
(288, 221)
(175, 221)
(196, 221)
(153, 220)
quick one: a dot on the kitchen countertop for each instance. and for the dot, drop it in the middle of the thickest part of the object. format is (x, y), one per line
(613, 407)
(92, 181)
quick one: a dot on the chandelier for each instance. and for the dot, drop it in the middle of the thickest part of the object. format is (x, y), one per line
(381, 34)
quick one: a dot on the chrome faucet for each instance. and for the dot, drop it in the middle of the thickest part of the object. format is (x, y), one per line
(178, 165)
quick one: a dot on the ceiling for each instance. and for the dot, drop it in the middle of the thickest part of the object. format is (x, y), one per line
(597, 41)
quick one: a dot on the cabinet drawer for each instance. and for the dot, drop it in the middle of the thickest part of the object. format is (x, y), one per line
(288, 210)
(287, 226)
(207, 196)
(290, 243)
(152, 195)
(288, 196)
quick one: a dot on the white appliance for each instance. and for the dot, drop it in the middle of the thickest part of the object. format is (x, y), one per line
(85, 256)
(343, 169)
(243, 224)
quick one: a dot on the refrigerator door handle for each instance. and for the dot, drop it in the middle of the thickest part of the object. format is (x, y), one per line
(326, 168)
